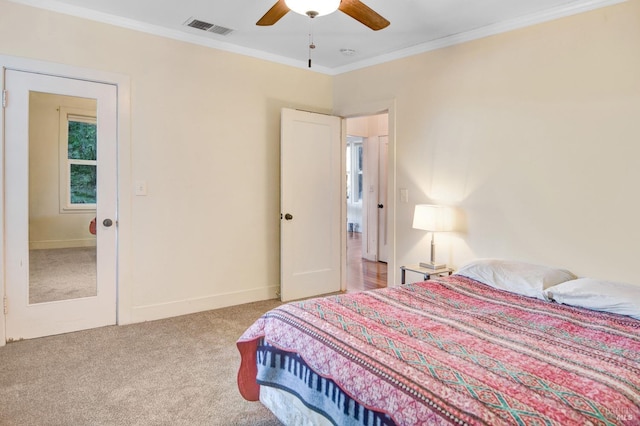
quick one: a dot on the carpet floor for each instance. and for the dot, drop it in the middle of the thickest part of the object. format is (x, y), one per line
(176, 371)
(62, 274)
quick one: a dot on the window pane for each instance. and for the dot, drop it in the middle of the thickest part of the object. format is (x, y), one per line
(83, 184)
(82, 140)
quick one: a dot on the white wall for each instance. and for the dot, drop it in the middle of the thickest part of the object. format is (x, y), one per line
(533, 134)
(205, 138)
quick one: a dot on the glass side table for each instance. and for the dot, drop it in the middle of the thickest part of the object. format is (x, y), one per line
(425, 272)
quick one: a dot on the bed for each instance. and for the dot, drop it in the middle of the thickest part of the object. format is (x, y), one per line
(451, 350)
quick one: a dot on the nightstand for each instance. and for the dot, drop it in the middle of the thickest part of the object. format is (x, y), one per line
(426, 272)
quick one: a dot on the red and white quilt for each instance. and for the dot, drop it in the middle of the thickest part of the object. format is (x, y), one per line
(455, 351)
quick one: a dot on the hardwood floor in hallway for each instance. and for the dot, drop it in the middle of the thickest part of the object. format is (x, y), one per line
(362, 274)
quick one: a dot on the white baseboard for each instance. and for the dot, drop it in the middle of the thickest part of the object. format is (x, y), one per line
(191, 306)
(57, 244)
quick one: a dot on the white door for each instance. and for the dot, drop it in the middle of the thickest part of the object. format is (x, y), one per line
(383, 235)
(374, 198)
(310, 200)
(370, 171)
(27, 316)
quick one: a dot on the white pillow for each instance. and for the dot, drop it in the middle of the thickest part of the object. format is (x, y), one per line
(517, 277)
(608, 296)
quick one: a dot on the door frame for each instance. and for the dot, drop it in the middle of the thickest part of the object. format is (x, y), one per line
(123, 87)
(368, 109)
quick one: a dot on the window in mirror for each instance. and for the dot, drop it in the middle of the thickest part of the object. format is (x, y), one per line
(78, 147)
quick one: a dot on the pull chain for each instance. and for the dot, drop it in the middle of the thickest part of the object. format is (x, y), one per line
(311, 45)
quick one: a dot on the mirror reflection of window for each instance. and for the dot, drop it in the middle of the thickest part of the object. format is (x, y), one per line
(78, 168)
(82, 161)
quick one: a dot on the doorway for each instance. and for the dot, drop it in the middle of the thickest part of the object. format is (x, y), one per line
(61, 204)
(366, 200)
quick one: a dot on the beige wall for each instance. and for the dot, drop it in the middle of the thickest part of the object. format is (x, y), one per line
(48, 228)
(205, 138)
(533, 134)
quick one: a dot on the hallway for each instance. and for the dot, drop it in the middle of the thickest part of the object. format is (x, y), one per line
(362, 274)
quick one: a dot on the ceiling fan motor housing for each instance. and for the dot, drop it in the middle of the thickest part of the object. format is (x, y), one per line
(313, 8)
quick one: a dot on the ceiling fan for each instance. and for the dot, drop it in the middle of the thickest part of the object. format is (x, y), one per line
(354, 8)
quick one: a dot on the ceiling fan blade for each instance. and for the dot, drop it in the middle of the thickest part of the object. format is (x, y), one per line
(363, 13)
(274, 14)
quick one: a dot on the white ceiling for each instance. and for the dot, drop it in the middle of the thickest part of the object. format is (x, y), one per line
(416, 25)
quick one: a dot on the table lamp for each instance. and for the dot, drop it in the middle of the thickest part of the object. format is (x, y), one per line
(432, 218)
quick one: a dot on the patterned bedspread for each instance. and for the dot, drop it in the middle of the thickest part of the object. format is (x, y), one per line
(455, 351)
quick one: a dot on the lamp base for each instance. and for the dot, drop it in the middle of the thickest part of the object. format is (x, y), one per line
(432, 265)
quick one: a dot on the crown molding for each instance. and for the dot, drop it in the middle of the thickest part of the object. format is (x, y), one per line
(573, 8)
(135, 25)
(494, 29)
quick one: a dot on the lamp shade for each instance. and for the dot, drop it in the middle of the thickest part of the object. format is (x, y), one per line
(433, 218)
(319, 7)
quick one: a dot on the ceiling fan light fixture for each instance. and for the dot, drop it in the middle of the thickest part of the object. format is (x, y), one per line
(313, 7)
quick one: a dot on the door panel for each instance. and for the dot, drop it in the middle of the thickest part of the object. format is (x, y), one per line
(60, 241)
(383, 235)
(311, 197)
(370, 200)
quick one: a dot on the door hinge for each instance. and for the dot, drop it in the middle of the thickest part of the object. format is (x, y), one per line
(5, 304)
(4, 98)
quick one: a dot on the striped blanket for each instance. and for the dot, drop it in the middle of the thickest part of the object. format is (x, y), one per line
(455, 351)
(288, 371)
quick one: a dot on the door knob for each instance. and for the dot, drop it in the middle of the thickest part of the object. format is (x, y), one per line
(288, 216)
(380, 206)
(107, 222)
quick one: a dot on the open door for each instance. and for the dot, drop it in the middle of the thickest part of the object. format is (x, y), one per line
(310, 197)
(72, 170)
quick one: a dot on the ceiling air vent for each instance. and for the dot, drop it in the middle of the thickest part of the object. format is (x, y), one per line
(206, 26)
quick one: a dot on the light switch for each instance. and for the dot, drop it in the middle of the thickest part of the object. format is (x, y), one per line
(141, 187)
(404, 195)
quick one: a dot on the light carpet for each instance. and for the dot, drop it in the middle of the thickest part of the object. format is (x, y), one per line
(177, 371)
(62, 274)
